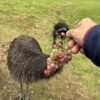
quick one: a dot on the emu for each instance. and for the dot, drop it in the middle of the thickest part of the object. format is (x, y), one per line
(26, 62)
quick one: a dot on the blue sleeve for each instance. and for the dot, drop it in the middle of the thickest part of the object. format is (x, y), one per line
(91, 45)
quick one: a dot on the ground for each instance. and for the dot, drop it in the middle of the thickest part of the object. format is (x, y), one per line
(80, 79)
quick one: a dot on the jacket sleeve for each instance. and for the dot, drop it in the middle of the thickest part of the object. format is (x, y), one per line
(91, 45)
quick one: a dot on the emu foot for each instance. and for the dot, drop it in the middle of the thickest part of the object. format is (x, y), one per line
(22, 97)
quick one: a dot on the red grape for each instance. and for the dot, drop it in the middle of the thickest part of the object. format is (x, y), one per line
(59, 56)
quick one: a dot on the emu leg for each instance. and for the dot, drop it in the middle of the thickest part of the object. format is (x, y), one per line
(27, 88)
(21, 87)
(21, 95)
(27, 97)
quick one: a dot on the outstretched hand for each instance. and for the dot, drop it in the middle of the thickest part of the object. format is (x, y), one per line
(76, 36)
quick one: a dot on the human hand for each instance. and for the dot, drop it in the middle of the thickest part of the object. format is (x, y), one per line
(76, 35)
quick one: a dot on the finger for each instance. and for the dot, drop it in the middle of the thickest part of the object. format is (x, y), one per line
(69, 33)
(75, 49)
(78, 24)
(86, 20)
(71, 43)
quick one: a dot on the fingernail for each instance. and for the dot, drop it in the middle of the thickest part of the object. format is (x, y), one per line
(67, 35)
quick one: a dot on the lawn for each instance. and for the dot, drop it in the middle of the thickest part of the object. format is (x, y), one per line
(80, 79)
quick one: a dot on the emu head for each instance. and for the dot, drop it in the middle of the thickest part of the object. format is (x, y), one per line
(59, 28)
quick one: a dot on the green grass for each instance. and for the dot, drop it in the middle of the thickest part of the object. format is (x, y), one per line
(80, 79)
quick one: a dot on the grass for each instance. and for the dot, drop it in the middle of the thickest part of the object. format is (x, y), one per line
(80, 79)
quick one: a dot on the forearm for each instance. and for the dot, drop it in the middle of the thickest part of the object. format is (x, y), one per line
(91, 44)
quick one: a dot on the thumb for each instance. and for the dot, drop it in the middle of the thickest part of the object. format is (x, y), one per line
(74, 34)
(70, 33)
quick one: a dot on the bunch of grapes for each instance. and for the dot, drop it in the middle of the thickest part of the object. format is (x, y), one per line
(59, 56)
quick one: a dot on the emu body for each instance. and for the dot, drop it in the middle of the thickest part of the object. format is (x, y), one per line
(26, 61)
